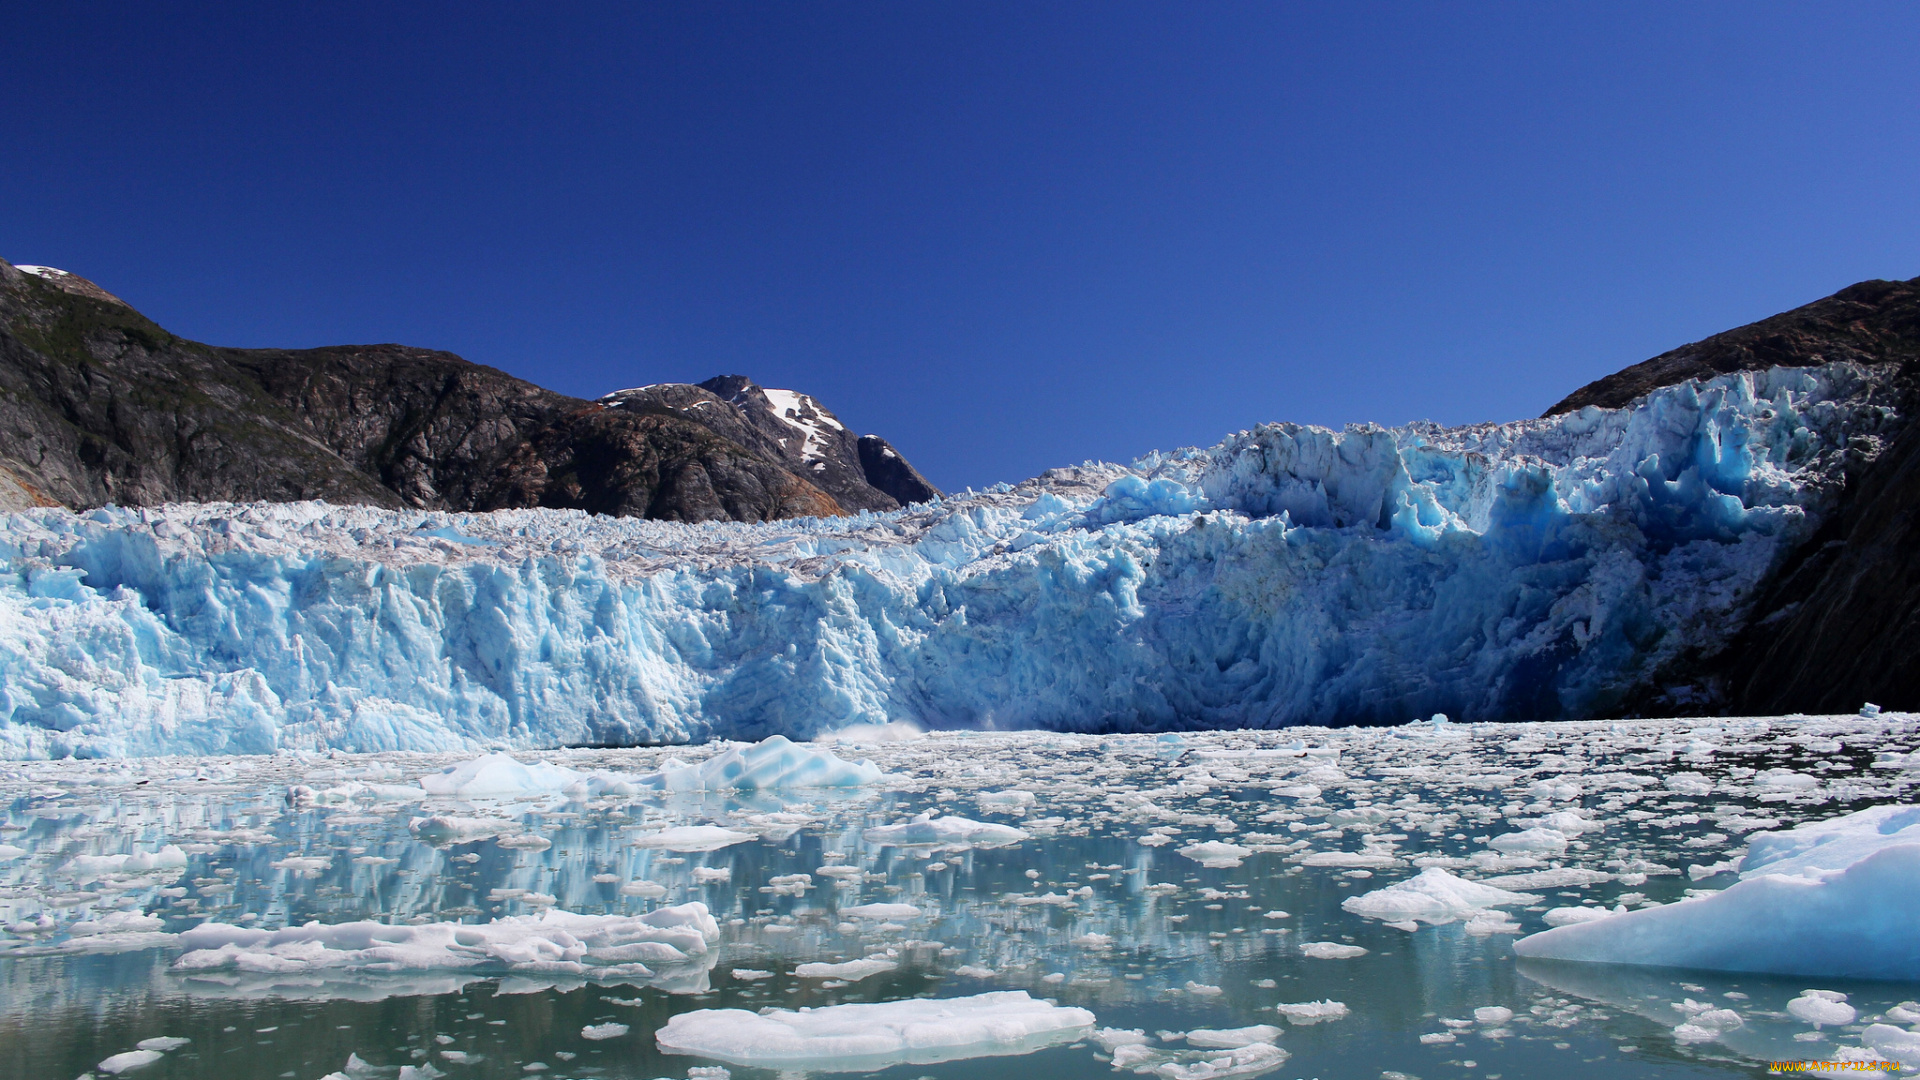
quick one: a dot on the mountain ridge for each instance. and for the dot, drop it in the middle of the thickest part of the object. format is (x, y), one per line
(99, 404)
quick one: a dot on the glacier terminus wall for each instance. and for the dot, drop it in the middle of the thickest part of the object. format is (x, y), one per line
(1544, 569)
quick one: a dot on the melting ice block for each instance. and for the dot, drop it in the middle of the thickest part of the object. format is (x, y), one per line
(774, 762)
(929, 831)
(500, 776)
(692, 838)
(865, 1037)
(1831, 898)
(1434, 897)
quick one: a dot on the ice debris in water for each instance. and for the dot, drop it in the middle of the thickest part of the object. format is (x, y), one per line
(1311, 1012)
(692, 838)
(1433, 896)
(129, 1061)
(771, 764)
(602, 1032)
(929, 831)
(554, 942)
(1829, 898)
(867, 1037)
(1822, 1007)
(1074, 600)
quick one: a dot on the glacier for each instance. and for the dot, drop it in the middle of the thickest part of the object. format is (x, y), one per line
(1541, 569)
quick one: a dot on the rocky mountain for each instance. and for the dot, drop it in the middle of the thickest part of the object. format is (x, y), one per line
(1840, 621)
(100, 405)
(863, 473)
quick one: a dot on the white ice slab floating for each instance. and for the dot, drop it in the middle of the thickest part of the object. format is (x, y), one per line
(863, 1037)
(1832, 898)
(1433, 896)
(949, 831)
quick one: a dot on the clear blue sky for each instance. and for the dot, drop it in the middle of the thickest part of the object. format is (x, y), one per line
(1004, 236)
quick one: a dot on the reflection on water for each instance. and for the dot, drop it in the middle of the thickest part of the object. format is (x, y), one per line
(1082, 911)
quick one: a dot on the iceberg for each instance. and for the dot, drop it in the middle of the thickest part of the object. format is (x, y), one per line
(1550, 568)
(949, 831)
(773, 763)
(500, 776)
(1828, 898)
(1433, 896)
(869, 1037)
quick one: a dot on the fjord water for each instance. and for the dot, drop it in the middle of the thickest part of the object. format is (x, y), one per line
(1096, 908)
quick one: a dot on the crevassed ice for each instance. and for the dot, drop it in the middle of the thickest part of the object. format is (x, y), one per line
(1288, 574)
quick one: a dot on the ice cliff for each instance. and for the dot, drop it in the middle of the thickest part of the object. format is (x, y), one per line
(1535, 570)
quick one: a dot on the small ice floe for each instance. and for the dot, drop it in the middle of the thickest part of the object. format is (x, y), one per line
(1005, 801)
(1492, 1015)
(692, 838)
(1216, 853)
(1311, 1012)
(1251, 1059)
(162, 1043)
(1822, 1008)
(447, 829)
(773, 763)
(500, 776)
(1433, 896)
(603, 1032)
(1330, 950)
(1832, 898)
(1232, 1038)
(868, 1037)
(850, 971)
(1530, 841)
(949, 831)
(169, 861)
(129, 1061)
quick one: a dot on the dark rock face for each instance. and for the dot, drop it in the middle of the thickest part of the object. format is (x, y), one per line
(98, 404)
(1839, 624)
(793, 429)
(1874, 322)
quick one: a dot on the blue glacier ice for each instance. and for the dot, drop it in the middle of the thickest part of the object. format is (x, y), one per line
(1289, 575)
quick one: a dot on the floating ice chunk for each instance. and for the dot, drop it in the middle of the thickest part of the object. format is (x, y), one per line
(1433, 897)
(1111, 1039)
(851, 970)
(773, 763)
(303, 865)
(499, 776)
(554, 942)
(1249, 1060)
(1573, 916)
(1559, 877)
(1330, 950)
(129, 1061)
(692, 838)
(1216, 853)
(1821, 1008)
(650, 890)
(881, 911)
(1785, 780)
(1893, 1044)
(1232, 1038)
(603, 1032)
(1688, 783)
(929, 831)
(869, 1037)
(1706, 1025)
(1869, 710)
(162, 1043)
(1853, 923)
(10, 851)
(1311, 1012)
(974, 971)
(1492, 1015)
(1530, 841)
(1005, 800)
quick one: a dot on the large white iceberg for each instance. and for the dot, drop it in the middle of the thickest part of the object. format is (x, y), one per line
(868, 1037)
(1830, 898)
(1290, 574)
